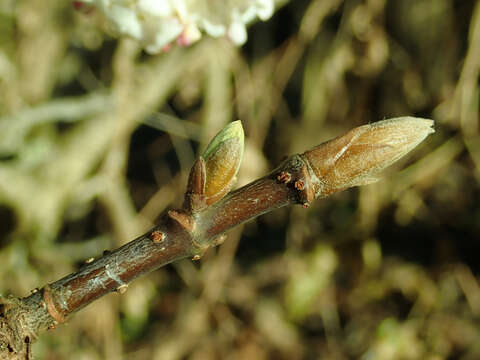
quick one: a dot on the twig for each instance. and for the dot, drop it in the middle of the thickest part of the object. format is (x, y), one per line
(349, 160)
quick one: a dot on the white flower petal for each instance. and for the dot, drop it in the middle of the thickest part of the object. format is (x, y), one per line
(215, 30)
(181, 8)
(125, 21)
(249, 14)
(265, 9)
(168, 30)
(191, 34)
(237, 33)
(156, 23)
(155, 7)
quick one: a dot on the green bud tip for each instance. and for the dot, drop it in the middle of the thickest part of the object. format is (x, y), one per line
(233, 130)
(223, 158)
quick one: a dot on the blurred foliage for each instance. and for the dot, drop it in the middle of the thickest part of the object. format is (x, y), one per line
(97, 137)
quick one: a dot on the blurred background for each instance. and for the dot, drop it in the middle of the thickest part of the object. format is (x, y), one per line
(97, 138)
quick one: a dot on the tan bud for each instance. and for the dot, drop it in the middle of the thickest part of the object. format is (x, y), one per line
(358, 156)
(223, 157)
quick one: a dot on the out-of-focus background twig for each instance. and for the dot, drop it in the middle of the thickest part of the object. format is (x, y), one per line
(97, 137)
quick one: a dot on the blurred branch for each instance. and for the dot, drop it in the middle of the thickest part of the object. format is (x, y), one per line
(174, 126)
(17, 125)
(350, 160)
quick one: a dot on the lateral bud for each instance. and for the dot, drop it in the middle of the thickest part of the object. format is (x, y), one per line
(358, 156)
(195, 194)
(223, 157)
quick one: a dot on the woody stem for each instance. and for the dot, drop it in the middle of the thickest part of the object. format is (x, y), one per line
(179, 234)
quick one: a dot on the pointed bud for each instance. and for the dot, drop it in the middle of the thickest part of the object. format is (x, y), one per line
(223, 157)
(195, 194)
(358, 156)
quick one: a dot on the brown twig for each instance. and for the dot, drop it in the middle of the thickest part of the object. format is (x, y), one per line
(350, 160)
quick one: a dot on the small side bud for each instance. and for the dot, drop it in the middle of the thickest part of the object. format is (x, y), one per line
(223, 157)
(195, 195)
(358, 156)
(157, 236)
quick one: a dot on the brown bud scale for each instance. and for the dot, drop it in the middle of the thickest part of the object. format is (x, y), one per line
(195, 194)
(185, 220)
(358, 156)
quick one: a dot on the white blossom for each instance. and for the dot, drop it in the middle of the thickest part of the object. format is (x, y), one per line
(158, 23)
